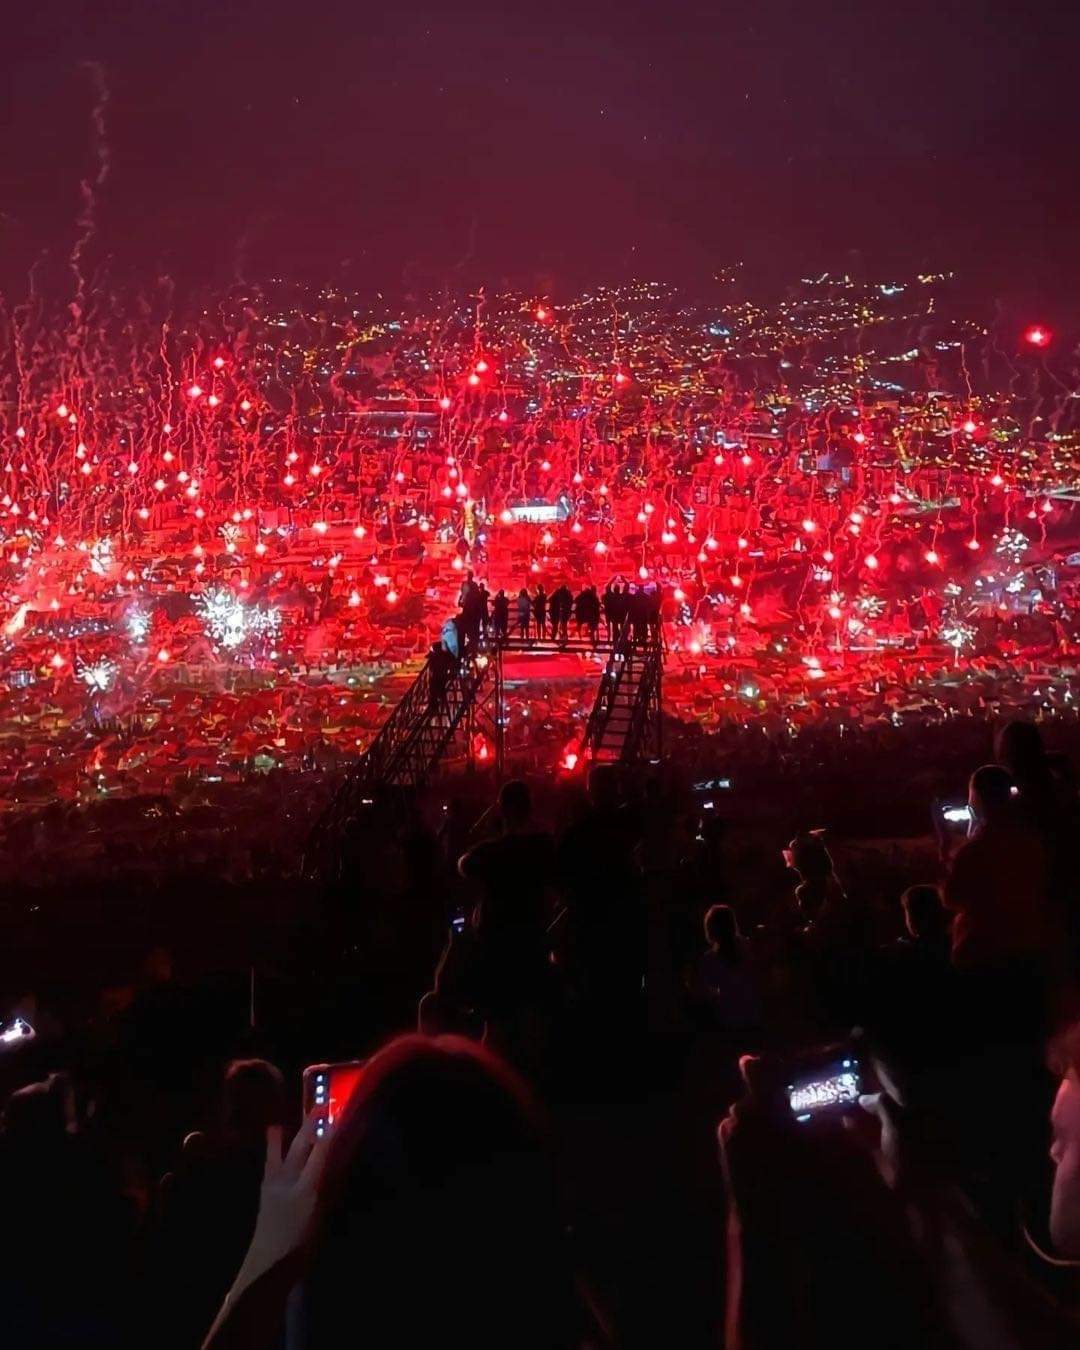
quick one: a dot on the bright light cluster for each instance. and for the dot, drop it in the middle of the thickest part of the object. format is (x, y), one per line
(230, 623)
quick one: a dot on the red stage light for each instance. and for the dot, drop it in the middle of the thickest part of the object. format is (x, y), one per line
(1037, 336)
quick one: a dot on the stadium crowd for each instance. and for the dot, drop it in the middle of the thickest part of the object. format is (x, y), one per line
(580, 1021)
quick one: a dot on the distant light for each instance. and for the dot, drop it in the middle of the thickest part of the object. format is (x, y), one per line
(194, 391)
(474, 378)
(973, 544)
(931, 556)
(444, 403)
(859, 438)
(970, 427)
(809, 526)
(871, 561)
(1037, 336)
(481, 366)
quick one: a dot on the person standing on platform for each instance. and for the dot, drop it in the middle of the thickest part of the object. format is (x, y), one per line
(524, 610)
(562, 602)
(539, 608)
(500, 617)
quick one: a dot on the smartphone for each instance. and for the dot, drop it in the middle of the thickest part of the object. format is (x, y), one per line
(327, 1089)
(714, 785)
(956, 815)
(458, 922)
(827, 1088)
(11, 1033)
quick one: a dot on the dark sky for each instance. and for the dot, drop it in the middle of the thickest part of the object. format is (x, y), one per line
(573, 141)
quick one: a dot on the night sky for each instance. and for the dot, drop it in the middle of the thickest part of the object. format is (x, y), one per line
(413, 144)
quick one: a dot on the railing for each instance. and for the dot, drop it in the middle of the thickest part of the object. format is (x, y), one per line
(394, 732)
(646, 703)
(607, 693)
(415, 735)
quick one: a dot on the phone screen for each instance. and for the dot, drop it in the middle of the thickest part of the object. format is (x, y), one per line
(832, 1088)
(327, 1089)
(956, 815)
(11, 1033)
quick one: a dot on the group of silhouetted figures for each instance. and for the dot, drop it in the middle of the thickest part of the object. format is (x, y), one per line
(539, 616)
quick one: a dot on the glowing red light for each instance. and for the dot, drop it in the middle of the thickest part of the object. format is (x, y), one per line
(541, 313)
(194, 391)
(474, 379)
(970, 427)
(871, 561)
(860, 438)
(444, 403)
(481, 366)
(1037, 336)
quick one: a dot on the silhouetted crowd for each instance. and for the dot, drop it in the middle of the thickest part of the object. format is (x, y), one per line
(559, 616)
(623, 1084)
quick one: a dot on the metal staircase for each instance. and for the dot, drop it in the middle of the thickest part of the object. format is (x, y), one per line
(623, 727)
(410, 744)
(417, 734)
(625, 723)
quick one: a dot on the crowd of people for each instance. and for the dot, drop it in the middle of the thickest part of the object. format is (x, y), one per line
(583, 1021)
(535, 615)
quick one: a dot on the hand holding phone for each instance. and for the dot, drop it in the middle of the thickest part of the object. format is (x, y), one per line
(327, 1089)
